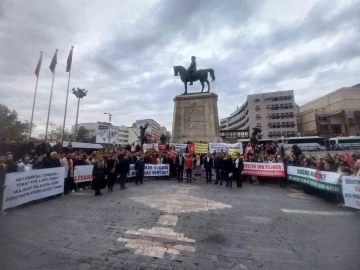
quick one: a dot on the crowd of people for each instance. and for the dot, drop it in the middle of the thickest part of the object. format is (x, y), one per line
(112, 167)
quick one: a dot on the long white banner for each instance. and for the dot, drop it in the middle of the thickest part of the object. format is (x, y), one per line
(151, 170)
(83, 173)
(225, 147)
(23, 187)
(351, 191)
(328, 181)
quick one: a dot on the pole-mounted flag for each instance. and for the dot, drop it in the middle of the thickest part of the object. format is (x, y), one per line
(69, 60)
(53, 62)
(37, 73)
(38, 66)
(52, 68)
(68, 69)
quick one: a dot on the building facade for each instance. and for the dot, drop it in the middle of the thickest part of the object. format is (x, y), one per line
(335, 114)
(123, 135)
(274, 113)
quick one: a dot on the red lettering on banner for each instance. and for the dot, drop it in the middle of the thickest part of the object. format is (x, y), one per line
(357, 188)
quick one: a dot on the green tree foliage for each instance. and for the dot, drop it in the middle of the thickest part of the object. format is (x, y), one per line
(11, 127)
(83, 135)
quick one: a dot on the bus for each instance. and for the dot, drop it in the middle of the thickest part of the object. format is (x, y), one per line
(309, 143)
(345, 143)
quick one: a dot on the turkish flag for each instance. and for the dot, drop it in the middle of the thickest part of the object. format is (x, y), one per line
(349, 159)
(191, 148)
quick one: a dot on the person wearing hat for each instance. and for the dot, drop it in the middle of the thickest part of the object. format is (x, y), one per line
(192, 69)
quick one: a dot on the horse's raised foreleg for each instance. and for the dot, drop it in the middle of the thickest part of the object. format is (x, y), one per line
(185, 84)
(208, 85)
(203, 85)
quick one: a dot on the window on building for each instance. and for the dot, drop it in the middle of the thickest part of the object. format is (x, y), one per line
(257, 100)
(257, 108)
(258, 117)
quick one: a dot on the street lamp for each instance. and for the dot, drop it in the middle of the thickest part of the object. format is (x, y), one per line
(79, 93)
(109, 124)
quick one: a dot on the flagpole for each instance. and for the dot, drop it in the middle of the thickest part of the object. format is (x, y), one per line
(33, 108)
(66, 103)
(48, 117)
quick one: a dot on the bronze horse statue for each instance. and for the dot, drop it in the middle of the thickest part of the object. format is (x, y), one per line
(201, 74)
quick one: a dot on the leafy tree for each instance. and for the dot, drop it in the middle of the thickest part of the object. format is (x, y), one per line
(82, 135)
(11, 127)
(55, 132)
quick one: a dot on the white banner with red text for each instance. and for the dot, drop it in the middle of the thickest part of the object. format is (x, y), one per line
(83, 173)
(149, 146)
(264, 169)
(351, 191)
(152, 170)
(23, 187)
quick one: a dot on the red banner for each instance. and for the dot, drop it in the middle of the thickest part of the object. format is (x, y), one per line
(264, 169)
(162, 147)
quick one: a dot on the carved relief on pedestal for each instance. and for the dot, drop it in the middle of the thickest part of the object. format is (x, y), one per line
(194, 116)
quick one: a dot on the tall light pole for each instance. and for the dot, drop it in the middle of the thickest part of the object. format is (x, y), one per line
(109, 124)
(79, 93)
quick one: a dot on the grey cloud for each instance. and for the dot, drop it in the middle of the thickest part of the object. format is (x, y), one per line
(130, 72)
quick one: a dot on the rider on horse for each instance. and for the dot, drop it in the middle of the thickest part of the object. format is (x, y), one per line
(192, 69)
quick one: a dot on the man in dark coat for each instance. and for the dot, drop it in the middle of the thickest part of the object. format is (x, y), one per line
(122, 169)
(229, 169)
(3, 167)
(208, 165)
(52, 162)
(238, 168)
(179, 162)
(217, 165)
(10, 164)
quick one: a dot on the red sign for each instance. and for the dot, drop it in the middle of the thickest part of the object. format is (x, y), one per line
(264, 169)
(162, 147)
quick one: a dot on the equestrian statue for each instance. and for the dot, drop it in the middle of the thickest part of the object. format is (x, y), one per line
(192, 75)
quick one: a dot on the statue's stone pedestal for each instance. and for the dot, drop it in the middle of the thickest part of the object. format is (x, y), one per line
(196, 118)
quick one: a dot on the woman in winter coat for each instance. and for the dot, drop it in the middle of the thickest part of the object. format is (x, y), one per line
(99, 172)
(111, 172)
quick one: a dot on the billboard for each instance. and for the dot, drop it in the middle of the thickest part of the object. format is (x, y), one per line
(102, 134)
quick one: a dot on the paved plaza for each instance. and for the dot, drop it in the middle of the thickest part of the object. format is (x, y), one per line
(166, 225)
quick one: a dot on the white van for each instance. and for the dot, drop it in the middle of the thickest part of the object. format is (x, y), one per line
(345, 143)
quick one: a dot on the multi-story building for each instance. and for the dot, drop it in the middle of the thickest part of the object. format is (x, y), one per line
(335, 114)
(123, 135)
(153, 130)
(274, 113)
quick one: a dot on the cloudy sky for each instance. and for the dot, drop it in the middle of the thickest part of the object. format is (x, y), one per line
(125, 50)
